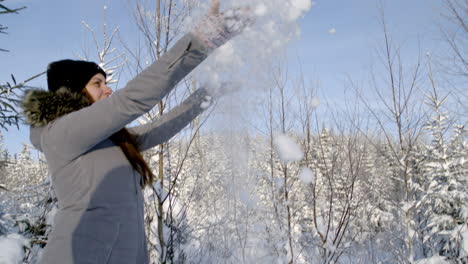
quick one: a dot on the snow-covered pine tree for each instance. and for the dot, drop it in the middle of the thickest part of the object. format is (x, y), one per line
(3, 188)
(23, 204)
(3, 160)
(444, 203)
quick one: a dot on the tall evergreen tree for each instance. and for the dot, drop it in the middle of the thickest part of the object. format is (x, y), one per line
(444, 203)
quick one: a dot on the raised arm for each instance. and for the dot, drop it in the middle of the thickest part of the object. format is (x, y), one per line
(77, 132)
(165, 127)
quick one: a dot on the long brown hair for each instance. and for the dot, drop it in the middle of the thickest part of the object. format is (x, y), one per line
(127, 143)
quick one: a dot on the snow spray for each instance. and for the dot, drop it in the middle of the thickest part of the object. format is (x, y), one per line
(243, 60)
(243, 63)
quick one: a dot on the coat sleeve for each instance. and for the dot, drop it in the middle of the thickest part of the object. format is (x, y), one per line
(77, 132)
(167, 125)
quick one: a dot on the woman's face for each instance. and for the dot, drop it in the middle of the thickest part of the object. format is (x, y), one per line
(97, 88)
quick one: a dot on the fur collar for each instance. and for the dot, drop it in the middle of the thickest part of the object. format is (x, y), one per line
(42, 107)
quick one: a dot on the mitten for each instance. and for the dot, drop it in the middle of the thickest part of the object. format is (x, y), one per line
(215, 91)
(217, 28)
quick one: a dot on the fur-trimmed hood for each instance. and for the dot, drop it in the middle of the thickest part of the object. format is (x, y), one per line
(42, 107)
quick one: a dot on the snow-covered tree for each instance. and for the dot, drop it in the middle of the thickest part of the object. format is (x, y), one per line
(24, 204)
(444, 198)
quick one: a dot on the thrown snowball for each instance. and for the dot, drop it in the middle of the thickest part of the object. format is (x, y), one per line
(287, 149)
(261, 9)
(332, 31)
(306, 176)
(279, 182)
(315, 102)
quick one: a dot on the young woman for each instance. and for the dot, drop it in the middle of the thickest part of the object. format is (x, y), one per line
(95, 163)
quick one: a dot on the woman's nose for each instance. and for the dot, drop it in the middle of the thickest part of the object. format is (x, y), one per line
(108, 90)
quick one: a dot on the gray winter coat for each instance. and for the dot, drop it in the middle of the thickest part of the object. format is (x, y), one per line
(100, 215)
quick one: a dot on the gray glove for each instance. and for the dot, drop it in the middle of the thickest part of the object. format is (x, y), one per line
(215, 91)
(217, 28)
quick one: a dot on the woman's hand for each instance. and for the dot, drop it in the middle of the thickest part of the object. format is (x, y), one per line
(217, 28)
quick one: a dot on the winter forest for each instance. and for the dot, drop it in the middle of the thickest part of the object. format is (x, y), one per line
(273, 172)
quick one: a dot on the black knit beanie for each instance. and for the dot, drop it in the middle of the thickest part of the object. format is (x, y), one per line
(72, 74)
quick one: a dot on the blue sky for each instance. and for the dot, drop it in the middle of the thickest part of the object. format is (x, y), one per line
(50, 30)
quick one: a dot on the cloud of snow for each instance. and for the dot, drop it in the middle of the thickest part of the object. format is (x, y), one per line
(288, 150)
(12, 249)
(243, 59)
(242, 63)
(261, 10)
(297, 8)
(332, 31)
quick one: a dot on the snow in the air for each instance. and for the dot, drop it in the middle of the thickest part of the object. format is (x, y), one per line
(261, 9)
(298, 7)
(428, 53)
(279, 182)
(306, 175)
(288, 150)
(231, 198)
(315, 102)
(241, 60)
